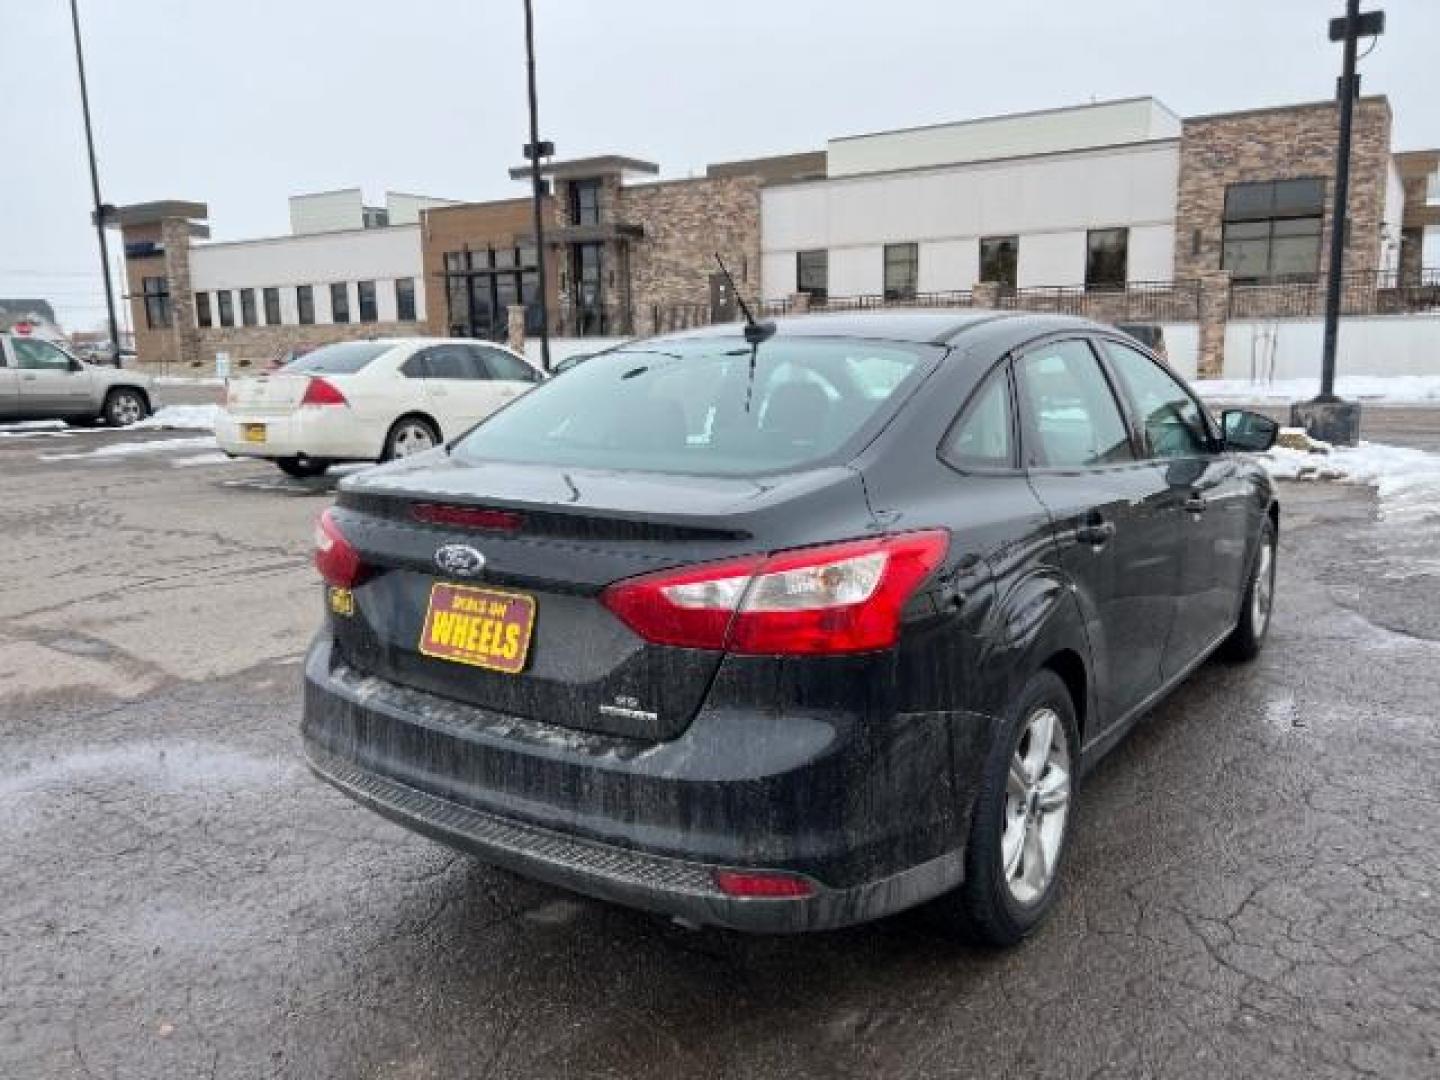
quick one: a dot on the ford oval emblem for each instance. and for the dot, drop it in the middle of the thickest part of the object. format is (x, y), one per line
(460, 560)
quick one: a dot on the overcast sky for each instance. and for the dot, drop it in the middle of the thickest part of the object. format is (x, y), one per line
(241, 105)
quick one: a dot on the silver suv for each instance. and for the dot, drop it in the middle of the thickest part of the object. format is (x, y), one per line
(41, 381)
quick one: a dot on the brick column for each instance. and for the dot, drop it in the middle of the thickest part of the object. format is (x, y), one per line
(184, 337)
(1214, 314)
(515, 327)
(986, 294)
(799, 303)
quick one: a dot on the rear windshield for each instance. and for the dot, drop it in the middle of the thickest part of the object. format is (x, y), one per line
(697, 407)
(345, 358)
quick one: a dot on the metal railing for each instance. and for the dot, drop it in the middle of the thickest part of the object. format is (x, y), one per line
(1136, 301)
(1366, 292)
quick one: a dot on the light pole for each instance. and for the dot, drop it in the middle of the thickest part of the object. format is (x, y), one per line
(534, 151)
(1326, 416)
(95, 190)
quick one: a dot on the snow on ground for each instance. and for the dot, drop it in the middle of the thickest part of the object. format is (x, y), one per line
(215, 457)
(29, 429)
(1392, 389)
(182, 417)
(1407, 481)
(112, 451)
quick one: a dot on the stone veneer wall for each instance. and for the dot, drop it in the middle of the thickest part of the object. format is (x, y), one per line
(1273, 144)
(258, 344)
(686, 222)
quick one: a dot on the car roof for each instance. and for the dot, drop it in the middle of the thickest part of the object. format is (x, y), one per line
(935, 326)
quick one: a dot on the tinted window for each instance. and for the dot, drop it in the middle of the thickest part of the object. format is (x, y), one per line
(983, 437)
(344, 358)
(36, 355)
(501, 365)
(272, 307)
(703, 411)
(1173, 423)
(225, 305)
(247, 307)
(812, 273)
(202, 309)
(1070, 410)
(365, 291)
(999, 259)
(1106, 257)
(305, 303)
(902, 271)
(451, 362)
(339, 303)
(405, 299)
(157, 301)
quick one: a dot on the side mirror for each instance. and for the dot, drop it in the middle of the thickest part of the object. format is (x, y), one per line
(1248, 432)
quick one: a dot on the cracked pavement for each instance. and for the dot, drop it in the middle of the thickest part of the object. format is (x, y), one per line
(1253, 890)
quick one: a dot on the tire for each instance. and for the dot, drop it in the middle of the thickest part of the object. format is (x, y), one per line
(410, 435)
(301, 468)
(1257, 606)
(124, 407)
(998, 905)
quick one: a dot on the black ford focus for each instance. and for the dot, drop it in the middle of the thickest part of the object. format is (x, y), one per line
(794, 629)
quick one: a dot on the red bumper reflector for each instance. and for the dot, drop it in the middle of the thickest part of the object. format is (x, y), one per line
(467, 517)
(762, 885)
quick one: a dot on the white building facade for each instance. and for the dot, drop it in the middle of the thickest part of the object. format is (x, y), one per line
(1066, 197)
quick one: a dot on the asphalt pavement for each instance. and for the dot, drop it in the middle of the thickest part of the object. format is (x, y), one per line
(1253, 890)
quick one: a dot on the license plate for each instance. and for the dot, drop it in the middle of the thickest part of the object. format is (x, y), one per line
(481, 627)
(254, 432)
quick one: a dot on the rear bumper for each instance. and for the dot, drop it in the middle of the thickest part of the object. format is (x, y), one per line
(332, 434)
(635, 823)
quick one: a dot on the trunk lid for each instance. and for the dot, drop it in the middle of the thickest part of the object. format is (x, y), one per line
(272, 395)
(579, 531)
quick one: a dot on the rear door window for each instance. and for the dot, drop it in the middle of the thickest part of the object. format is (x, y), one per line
(1071, 416)
(342, 358)
(453, 362)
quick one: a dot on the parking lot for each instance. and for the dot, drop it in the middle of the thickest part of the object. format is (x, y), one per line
(1253, 891)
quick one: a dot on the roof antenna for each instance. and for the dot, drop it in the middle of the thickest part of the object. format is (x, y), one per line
(755, 332)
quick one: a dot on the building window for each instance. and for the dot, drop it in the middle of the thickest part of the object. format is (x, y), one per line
(999, 260)
(305, 303)
(272, 306)
(1272, 230)
(902, 271)
(365, 292)
(588, 273)
(480, 284)
(812, 274)
(339, 303)
(157, 302)
(1107, 258)
(405, 299)
(225, 307)
(585, 202)
(202, 309)
(247, 307)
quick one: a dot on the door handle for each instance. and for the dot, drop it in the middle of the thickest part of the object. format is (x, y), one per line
(28, 378)
(1195, 503)
(1095, 531)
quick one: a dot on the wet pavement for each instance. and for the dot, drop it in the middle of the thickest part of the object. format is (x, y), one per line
(1253, 891)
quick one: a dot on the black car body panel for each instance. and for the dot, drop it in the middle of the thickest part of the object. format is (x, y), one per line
(632, 771)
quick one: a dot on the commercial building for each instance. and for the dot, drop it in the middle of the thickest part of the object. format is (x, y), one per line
(1120, 210)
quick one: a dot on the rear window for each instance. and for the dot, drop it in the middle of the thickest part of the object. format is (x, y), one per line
(697, 407)
(344, 358)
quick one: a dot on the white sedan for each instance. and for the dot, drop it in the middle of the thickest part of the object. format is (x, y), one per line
(369, 401)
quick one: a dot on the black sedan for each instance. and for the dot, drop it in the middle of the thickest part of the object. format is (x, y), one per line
(793, 628)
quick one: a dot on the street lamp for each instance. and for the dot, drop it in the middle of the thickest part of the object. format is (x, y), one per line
(534, 151)
(100, 208)
(1326, 416)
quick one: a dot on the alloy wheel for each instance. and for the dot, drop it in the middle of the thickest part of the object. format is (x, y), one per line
(1037, 806)
(126, 410)
(411, 437)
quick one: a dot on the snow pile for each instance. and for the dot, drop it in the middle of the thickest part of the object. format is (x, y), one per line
(27, 429)
(130, 449)
(180, 417)
(188, 380)
(1407, 481)
(1388, 389)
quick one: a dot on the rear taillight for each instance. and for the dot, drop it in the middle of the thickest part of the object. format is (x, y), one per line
(322, 392)
(335, 557)
(836, 598)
